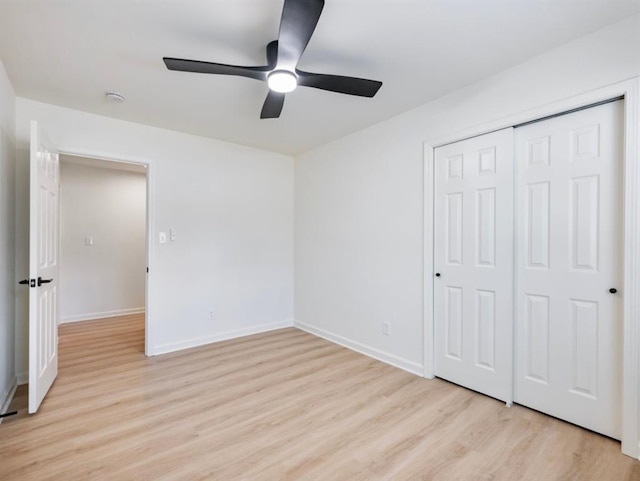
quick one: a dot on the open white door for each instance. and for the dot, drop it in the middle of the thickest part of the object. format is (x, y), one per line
(43, 267)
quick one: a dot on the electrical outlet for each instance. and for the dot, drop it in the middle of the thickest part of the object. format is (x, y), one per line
(212, 314)
(386, 328)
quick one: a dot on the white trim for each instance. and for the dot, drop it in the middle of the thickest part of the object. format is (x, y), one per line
(427, 274)
(7, 397)
(100, 315)
(395, 361)
(22, 378)
(631, 316)
(607, 92)
(631, 285)
(148, 318)
(222, 336)
(517, 258)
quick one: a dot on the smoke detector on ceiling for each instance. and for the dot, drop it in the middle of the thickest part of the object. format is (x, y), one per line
(114, 97)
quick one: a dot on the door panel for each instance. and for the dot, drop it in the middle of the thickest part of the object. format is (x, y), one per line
(473, 302)
(43, 267)
(569, 338)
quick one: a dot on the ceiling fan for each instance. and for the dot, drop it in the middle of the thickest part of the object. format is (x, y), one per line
(299, 20)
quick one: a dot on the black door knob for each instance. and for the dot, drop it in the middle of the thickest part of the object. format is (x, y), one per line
(43, 281)
(437, 274)
(613, 290)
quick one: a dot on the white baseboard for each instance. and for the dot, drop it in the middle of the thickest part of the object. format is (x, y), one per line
(100, 315)
(222, 336)
(22, 378)
(7, 397)
(395, 361)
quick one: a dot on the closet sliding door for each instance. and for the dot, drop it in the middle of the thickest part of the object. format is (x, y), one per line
(569, 272)
(473, 263)
(568, 265)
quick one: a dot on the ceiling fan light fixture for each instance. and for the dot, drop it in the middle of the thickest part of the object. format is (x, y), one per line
(297, 24)
(282, 81)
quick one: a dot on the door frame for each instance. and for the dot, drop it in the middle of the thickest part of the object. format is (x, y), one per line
(148, 315)
(629, 90)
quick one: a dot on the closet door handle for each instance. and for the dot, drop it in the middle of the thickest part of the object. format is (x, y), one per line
(613, 290)
(437, 274)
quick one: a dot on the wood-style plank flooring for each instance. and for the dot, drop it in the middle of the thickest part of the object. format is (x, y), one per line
(283, 405)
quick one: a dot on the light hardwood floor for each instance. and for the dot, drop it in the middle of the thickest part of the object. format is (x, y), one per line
(283, 405)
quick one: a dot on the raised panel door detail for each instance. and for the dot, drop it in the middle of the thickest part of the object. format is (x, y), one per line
(54, 167)
(454, 228)
(52, 332)
(52, 232)
(584, 342)
(585, 220)
(49, 165)
(486, 227)
(43, 216)
(537, 225)
(42, 160)
(537, 325)
(585, 143)
(538, 152)
(455, 167)
(42, 324)
(485, 328)
(453, 321)
(487, 161)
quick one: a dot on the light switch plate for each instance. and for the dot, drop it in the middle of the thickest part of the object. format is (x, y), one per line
(88, 241)
(162, 237)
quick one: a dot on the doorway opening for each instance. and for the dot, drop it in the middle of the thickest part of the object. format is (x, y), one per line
(96, 198)
(103, 243)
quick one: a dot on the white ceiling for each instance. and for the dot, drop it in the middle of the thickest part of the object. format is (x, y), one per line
(70, 52)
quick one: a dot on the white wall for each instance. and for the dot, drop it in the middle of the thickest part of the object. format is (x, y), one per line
(231, 206)
(7, 265)
(359, 200)
(106, 278)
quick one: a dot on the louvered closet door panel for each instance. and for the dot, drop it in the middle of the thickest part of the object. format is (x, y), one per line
(569, 340)
(473, 296)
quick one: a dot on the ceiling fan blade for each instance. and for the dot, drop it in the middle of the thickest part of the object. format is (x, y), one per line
(272, 105)
(196, 66)
(299, 20)
(272, 54)
(337, 83)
